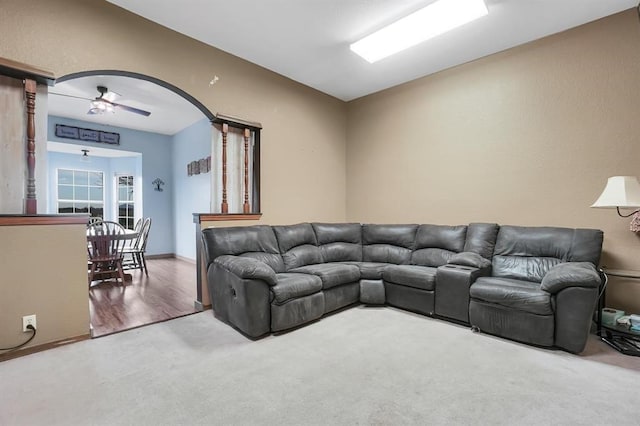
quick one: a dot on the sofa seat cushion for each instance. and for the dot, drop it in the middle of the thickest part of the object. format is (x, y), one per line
(370, 270)
(331, 274)
(514, 294)
(291, 286)
(421, 277)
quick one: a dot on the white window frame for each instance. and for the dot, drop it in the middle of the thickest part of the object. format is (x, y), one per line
(135, 201)
(74, 200)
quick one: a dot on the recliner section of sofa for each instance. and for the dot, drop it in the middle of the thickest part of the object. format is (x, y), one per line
(514, 303)
(534, 285)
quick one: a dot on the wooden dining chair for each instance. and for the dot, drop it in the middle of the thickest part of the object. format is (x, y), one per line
(133, 243)
(111, 226)
(94, 221)
(137, 250)
(105, 247)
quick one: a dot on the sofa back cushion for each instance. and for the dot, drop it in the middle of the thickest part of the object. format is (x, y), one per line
(481, 239)
(528, 253)
(435, 244)
(388, 243)
(298, 245)
(339, 242)
(258, 242)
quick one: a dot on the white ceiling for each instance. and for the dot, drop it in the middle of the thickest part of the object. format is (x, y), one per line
(170, 112)
(308, 40)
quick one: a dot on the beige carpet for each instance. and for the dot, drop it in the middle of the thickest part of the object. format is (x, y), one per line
(360, 366)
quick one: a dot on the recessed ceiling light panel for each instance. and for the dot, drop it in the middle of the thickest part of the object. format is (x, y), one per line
(428, 22)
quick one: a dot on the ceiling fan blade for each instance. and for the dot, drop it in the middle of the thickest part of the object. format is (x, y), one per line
(110, 96)
(132, 109)
(70, 96)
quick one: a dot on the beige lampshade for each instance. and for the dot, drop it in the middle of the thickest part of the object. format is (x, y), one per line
(621, 191)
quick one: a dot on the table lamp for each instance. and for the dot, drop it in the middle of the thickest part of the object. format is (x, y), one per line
(621, 192)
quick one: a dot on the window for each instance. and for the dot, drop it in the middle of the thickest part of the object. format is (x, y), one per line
(81, 191)
(125, 202)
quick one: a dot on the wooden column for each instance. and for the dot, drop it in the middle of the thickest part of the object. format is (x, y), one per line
(246, 208)
(30, 92)
(224, 207)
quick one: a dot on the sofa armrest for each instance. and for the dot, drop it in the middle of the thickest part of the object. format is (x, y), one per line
(452, 290)
(572, 274)
(247, 268)
(469, 258)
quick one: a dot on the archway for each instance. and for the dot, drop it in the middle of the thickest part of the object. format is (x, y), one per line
(145, 77)
(151, 195)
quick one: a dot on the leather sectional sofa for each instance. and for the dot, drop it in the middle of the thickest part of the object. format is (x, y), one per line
(537, 285)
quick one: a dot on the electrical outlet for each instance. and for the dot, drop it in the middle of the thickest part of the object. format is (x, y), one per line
(28, 320)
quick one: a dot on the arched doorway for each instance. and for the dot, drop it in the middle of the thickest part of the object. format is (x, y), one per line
(162, 150)
(205, 111)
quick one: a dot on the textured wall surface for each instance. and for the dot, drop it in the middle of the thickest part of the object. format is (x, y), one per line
(44, 273)
(525, 137)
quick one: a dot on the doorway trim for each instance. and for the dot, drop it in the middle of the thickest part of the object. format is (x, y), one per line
(149, 78)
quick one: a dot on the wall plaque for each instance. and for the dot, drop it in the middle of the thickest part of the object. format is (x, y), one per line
(90, 135)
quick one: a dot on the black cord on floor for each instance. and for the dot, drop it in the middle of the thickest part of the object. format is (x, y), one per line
(29, 327)
(605, 278)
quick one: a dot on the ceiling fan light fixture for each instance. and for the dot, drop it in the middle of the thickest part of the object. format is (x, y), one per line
(85, 156)
(428, 22)
(100, 106)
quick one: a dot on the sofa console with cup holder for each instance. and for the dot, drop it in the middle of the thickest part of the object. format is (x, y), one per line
(537, 285)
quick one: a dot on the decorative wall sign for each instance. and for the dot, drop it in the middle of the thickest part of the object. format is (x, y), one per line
(110, 138)
(202, 165)
(89, 135)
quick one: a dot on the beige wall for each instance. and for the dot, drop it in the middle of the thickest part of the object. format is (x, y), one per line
(525, 137)
(44, 272)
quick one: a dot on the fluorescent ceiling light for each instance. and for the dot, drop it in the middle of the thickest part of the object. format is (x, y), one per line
(426, 23)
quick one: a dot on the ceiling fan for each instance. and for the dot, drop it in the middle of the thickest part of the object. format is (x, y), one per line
(105, 103)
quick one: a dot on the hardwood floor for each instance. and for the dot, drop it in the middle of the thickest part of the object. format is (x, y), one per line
(168, 292)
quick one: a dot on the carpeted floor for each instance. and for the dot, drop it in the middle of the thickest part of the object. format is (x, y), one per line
(360, 366)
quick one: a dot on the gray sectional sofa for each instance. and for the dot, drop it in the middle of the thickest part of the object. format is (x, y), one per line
(537, 285)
